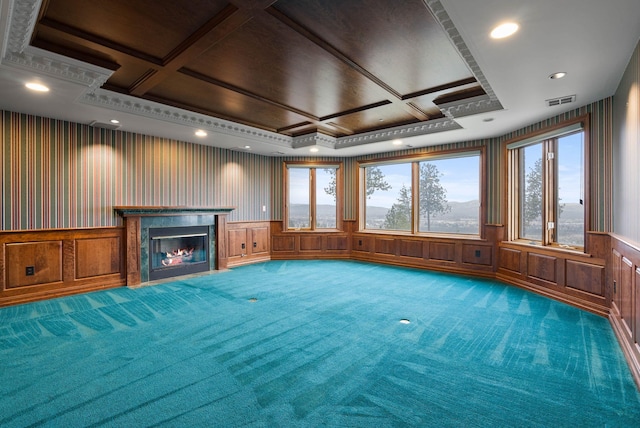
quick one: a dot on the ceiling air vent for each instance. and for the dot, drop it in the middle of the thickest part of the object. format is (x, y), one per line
(112, 126)
(559, 101)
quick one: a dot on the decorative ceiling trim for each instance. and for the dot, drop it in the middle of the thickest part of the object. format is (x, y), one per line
(315, 139)
(21, 20)
(445, 21)
(469, 107)
(405, 131)
(149, 109)
(18, 53)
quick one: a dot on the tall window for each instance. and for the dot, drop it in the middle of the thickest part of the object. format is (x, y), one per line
(440, 193)
(547, 187)
(314, 193)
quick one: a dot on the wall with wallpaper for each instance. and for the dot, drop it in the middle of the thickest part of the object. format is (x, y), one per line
(58, 174)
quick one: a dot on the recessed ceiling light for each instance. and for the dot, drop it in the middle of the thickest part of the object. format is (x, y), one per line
(558, 75)
(37, 87)
(114, 121)
(504, 30)
(313, 149)
(247, 147)
(201, 133)
(397, 142)
(487, 119)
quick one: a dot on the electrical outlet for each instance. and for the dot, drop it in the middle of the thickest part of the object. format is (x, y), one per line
(30, 270)
(477, 253)
(243, 246)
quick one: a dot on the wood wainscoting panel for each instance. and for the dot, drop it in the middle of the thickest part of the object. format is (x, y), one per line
(542, 267)
(411, 248)
(616, 302)
(585, 277)
(510, 259)
(363, 243)
(310, 243)
(636, 311)
(626, 295)
(100, 256)
(337, 243)
(477, 254)
(41, 264)
(385, 245)
(237, 242)
(283, 244)
(442, 251)
(32, 263)
(259, 240)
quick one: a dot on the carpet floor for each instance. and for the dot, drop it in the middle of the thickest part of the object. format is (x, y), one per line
(312, 343)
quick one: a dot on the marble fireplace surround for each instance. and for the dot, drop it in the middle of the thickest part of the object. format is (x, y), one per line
(138, 220)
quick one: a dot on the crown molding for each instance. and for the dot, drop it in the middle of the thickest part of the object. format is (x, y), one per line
(470, 106)
(314, 139)
(405, 131)
(149, 109)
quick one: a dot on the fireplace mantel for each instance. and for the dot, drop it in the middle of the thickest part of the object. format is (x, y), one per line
(138, 220)
(146, 211)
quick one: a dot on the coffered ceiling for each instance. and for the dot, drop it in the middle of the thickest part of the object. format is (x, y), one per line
(278, 77)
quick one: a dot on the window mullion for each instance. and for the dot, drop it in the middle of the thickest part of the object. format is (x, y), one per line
(415, 197)
(312, 198)
(549, 211)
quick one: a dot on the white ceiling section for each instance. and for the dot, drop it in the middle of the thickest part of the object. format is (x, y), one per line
(591, 40)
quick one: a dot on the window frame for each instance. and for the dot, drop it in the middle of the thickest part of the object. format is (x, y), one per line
(414, 160)
(548, 137)
(312, 167)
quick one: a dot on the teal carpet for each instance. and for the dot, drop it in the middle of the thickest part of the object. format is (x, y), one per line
(312, 343)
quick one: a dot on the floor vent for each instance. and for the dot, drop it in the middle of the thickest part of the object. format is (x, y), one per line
(562, 100)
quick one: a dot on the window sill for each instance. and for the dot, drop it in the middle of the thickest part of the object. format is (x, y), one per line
(315, 231)
(546, 248)
(421, 234)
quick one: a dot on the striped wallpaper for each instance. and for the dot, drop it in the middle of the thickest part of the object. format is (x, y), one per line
(58, 174)
(626, 152)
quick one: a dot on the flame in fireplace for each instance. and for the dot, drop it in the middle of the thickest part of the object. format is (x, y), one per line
(177, 256)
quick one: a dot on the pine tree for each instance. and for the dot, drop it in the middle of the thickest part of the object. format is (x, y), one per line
(433, 197)
(399, 215)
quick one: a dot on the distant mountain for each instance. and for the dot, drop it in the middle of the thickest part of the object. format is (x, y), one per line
(459, 210)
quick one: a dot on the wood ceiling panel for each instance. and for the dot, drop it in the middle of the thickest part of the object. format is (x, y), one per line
(221, 102)
(290, 66)
(400, 43)
(270, 60)
(375, 118)
(155, 27)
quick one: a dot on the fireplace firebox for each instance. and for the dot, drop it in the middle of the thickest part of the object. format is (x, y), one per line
(175, 251)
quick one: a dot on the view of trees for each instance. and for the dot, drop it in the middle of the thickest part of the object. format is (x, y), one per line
(433, 200)
(532, 209)
(375, 181)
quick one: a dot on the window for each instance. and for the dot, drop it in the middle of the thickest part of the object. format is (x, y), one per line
(547, 187)
(439, 193)
(314, 194)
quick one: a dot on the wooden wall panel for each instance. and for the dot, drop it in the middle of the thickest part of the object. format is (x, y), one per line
(311, 243)
(260, 239)
(411, 248)
(363, 243)
(542, 267)
(510, 259)
(100, 256)
(477, 254)
(385, 245)
(237, 242)
(442, 251)
(585, 277)
(64, 261)
(336, 243)
(627, 298)
(44, 258)
(283, 243)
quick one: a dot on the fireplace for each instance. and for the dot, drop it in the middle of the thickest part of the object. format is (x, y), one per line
(175, 251)
(180, 232)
